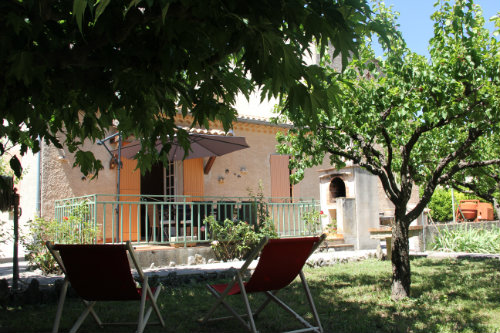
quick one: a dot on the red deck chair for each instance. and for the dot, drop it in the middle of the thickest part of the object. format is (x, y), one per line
(102, 273)
(280, 262)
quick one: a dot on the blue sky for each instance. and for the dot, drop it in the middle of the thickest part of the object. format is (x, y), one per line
(416, 24)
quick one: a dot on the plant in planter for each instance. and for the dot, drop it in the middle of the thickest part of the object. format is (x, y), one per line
(312, 222)
(235, 239)
(331, 230)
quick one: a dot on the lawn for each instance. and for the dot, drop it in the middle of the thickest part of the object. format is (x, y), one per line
(447, 296)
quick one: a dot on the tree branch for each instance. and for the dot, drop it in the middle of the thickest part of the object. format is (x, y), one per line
(388, 163)
(475, 164)
(391, 191)
(382, 169)
(439, 178)
(465, 165)
(471, 188)
(369, 150)
(337, 152)
(407, 149)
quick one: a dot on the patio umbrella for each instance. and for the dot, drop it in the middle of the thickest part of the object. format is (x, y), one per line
(202, 145)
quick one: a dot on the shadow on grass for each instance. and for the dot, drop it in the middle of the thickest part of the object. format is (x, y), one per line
(448, 295)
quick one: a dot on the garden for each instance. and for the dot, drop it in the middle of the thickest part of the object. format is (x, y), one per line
(449, 295)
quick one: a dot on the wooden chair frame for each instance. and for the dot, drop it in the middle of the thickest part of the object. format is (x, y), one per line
(270, 294)
(146, 294)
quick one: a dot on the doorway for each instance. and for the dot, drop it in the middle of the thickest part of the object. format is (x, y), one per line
(152, 184)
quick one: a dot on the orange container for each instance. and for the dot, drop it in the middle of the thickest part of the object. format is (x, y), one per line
(468, 209)
(485, 211)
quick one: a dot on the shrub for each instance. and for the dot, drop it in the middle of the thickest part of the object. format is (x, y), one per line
(312, 222)
(259, 205)
(441, 204)
(466, 238)
(40, 231)
(74, 229)
(235, 239)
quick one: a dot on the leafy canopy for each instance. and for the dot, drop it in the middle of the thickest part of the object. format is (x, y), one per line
(410, 120)
(73, 69)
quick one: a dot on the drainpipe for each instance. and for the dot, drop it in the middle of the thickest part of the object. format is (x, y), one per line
(38, 201)
(119, 165)
(15, 254)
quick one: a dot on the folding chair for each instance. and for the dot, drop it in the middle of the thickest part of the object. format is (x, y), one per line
(280, 262)
(102, 273)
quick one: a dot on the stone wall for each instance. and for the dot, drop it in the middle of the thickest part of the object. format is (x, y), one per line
(60, 180)
(367, 208)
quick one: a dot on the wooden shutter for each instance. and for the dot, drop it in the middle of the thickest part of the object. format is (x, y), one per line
(193, 177)
(280, 176)
(130, 183)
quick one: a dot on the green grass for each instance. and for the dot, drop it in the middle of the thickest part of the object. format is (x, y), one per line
(447, 296)
(468, 239)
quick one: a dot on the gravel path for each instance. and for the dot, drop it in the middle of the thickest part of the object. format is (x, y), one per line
(316, 260)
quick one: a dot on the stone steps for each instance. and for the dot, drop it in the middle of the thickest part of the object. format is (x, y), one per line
(160, 255)
(336, 243)
(341, 247)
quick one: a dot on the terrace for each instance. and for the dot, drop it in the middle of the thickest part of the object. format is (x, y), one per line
(178, 220)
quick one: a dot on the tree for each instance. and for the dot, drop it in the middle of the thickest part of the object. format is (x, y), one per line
(411, 120)
(71, 70)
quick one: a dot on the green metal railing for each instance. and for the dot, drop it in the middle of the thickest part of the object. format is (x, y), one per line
(163, 219)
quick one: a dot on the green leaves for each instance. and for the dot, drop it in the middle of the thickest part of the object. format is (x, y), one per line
(101, 6)
(21, 67)
(77, 67)
(79, 7)
(406, 119)
(87, 163)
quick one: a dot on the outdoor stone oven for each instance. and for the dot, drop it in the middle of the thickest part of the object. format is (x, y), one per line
(350, 196)
(337, 189)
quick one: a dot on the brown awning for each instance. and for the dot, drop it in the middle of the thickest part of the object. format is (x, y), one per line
(202, 145)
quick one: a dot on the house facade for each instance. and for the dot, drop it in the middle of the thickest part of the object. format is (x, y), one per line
(50, 177)
(236, 174)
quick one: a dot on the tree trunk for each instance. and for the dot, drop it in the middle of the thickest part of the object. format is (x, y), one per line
(401, 276)
(496, 204)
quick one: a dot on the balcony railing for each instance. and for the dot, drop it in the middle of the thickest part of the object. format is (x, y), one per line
(160, 219)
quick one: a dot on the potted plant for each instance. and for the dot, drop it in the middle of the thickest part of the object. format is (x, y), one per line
(331, 230)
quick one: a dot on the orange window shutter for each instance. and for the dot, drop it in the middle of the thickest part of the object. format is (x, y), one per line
(130, 183)
(193, 177)
(280, 176)
(130, 179)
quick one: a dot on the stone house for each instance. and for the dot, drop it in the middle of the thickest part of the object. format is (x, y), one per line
(234, 175)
